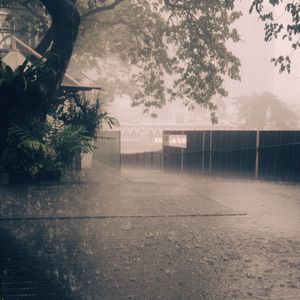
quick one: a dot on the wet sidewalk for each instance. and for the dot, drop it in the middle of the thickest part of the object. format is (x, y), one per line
(150, 235)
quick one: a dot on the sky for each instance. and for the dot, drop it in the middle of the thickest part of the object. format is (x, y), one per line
(257, 72)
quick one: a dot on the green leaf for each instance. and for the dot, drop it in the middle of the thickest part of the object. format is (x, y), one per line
(9, 73)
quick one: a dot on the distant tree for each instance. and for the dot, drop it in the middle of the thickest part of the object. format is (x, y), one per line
(265, 111)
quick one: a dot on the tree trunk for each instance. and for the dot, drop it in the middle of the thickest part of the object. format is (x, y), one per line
(46, 42)
(41, 92)
(65, 22)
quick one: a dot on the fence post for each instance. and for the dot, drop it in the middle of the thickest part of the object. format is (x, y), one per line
(182, 155)
(257, 155)
(181, 162)
(203, 151)
(151, 159)
(210, 152)
(120, 150)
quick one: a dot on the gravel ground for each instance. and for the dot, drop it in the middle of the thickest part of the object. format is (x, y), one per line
(153, 235)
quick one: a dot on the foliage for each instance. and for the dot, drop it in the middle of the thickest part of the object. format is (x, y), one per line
(84, 111)
(34, 144)
(260, 111)
(18, 94)
(8, 76)
(179, 50)
(38, 146)
(13, 84)
(21, 75)
(174, 49)
(282, 21)
(32, 137)
(68, 140)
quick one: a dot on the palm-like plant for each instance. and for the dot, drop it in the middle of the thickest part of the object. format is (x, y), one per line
(68, 140)
(41, 146)
(86, 112)
(18, 78)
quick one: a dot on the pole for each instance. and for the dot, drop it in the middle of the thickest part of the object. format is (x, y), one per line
(120, 150)
(151, 159)
(181, 162)
(257, 155)
(203, 151)
(182, 153)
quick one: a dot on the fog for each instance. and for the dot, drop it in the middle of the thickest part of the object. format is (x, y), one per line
(257, 72)
(140, 132)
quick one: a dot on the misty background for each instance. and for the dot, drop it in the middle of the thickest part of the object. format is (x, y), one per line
(260, 80)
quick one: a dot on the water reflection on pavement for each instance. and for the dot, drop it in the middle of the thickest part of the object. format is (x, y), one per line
(154, 235)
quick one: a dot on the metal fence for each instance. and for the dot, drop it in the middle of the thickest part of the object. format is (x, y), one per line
(146, 160)
(108, 148)
(259, 154)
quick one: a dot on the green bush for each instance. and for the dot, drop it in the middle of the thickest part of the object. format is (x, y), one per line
(42, 146)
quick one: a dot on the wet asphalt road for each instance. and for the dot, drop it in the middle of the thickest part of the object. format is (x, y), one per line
(151, 235)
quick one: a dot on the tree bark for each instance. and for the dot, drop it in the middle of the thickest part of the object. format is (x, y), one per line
(46, 42)
(65, 22)
(64, 30)
(48, 38)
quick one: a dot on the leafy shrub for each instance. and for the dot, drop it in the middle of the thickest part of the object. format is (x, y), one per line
(88, 112)
(42, 146)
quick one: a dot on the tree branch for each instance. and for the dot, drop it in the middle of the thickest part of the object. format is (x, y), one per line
(101, 9)
(111, 23)
(47, 40)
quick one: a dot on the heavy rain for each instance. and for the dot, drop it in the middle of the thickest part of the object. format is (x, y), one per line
(149, 149)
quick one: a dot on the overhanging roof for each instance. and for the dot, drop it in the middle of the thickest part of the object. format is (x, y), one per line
(14, 58)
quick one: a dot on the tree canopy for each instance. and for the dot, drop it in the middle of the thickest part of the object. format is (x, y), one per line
(168, 50)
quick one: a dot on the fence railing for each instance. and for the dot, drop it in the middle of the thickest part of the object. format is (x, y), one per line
(259, 154)
(146, 160)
